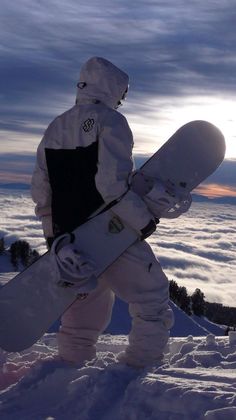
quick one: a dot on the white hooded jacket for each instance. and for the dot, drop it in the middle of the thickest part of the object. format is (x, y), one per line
(85, 157)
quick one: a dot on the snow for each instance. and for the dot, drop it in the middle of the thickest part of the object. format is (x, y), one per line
(197, 382)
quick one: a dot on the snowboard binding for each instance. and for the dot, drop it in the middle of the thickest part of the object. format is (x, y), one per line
(75, 269)
(163, 198)
(167, 200)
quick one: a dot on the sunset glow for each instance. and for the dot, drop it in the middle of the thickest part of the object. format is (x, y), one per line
(216, 191)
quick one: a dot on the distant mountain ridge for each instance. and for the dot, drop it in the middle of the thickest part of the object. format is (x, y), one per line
(219, 200)
(15, 186)
(196, 197)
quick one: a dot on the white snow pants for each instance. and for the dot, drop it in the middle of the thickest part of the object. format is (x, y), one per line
(137, 278)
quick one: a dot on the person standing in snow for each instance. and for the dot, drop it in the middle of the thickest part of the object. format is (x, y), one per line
(83, 162)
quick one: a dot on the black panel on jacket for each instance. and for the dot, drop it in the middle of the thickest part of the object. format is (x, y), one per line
(72, 179)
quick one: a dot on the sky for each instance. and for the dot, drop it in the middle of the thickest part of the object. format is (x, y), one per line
(181, 58)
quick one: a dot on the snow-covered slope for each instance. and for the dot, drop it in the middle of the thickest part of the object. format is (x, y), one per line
(197, 326)
(184, 324)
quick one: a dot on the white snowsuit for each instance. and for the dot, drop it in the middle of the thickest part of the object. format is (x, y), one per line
(89, 149)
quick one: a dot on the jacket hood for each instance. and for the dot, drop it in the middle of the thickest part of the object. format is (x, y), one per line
(101, 80)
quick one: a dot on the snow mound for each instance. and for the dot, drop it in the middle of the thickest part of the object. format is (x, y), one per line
(197, 382)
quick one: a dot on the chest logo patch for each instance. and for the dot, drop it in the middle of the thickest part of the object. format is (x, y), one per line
(88, 125)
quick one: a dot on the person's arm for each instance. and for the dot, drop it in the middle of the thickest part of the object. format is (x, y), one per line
(41, 191)
(115, 164)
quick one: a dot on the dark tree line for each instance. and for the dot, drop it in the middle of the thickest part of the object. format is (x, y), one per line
(195, 304)
(20, 253)
(221, 314)
(180, 297)
(2, 246)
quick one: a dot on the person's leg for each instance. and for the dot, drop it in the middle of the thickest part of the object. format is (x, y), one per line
(82, 324)
(137, 278)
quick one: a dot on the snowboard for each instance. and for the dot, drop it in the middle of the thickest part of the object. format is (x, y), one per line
(35, 298)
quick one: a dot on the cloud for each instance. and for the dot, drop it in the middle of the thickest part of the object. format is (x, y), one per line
(181, 67)
(16, 168)
(18, 220)
(170, 50)
(216, 190)
(225, 174)
(197, 250)
(222, 183)
(10, 177)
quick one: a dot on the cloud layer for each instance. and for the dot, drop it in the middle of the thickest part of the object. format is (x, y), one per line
(197, 250)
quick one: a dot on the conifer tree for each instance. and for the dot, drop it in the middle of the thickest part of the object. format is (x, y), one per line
(2, 246)
(22, 253)
(184, 301)
(198, 303)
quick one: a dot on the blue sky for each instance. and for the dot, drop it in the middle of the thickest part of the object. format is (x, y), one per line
(181, 57)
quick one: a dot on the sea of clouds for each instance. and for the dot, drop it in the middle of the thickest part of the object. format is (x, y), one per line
(198, 250)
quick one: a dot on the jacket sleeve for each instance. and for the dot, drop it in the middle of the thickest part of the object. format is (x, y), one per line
(41, 190)
(115, 164)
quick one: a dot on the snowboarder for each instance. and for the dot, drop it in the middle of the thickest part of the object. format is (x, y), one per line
(84, 161)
